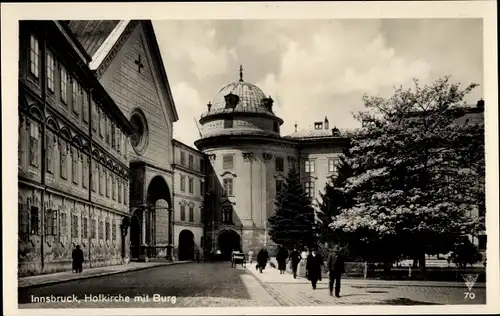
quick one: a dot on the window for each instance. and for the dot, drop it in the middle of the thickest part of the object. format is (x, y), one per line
(202, 187)
(101, 230)
(101, 180)
(183, 183)
(332, 165)
(183, 158)
(85, 227)
(51, 222)
(74, 165)
(191, 214)
(108, 231)
(190, 161)
(63, 225)
(93, 228)
(228, 123)
(85, 172)
(34, 220)
(64, 85)
(107, 126)
(95, 176)
(227, 161)
(183, 213)
(113, 232)
(101, 122)
(85, 107)
(113, 136)
(119, 191)
(95, 117)
(34, 144)
(310, 189)
(108, 183)
(74, 226)
(228, 187)
(113, 179)
(227, 215)
(125, 193)
(279, 185)
(190, 185)
(309, 166)
(24, 220)
(276, 127)
(118, 139)
(50, 71)
(202, 165)
(34, 56)
(64, 162)
(279, 164)
(74, 100)
(50, 152)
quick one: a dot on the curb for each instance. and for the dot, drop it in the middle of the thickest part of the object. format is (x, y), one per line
(98, 275)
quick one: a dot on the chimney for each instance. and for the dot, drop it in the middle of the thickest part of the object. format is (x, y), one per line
(209, 105)
(480, 104)
(318, 125)
(326, 123)
(295, 126)
(335, 131)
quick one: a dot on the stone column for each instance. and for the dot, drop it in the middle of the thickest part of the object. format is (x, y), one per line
(170, 234)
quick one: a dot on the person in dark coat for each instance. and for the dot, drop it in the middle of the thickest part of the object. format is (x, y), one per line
(295, 258)
(262, 257)
(77, 256)
(281, 257)
(335, 267)
(313, 267)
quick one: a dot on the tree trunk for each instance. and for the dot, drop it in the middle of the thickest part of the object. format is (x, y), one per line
(421, 265)
(415, 263)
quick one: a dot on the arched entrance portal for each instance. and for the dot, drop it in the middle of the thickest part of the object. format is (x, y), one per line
(135, 233)
(186, 245)
(228, 241)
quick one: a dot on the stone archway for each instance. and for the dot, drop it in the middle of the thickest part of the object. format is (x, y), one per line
(186, 245)
(228, 241)
(159, 214)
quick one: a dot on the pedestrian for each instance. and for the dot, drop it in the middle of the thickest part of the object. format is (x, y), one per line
(281, 257)
(313, 267)
(335, 269)
(77, 256)
(262, 257)
(198, 255)
(250, 256)
(295, 258)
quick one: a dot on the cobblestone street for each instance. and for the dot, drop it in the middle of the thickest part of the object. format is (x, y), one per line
(219, 285)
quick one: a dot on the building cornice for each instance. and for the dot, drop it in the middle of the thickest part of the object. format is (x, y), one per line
(187, 170)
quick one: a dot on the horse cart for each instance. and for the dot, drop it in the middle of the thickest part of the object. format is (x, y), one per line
(238, 258)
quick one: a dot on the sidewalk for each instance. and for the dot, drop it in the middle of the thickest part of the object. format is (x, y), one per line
(272, 275)
(54, 278)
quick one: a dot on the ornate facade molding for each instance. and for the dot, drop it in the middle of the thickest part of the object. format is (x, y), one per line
(247, 156)
(267, 156)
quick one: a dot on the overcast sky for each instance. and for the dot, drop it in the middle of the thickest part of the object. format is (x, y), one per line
(313, 68)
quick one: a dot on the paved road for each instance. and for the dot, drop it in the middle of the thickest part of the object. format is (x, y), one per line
(192, 285)
(219, 285)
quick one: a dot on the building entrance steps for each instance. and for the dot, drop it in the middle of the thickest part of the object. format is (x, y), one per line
(59, 277)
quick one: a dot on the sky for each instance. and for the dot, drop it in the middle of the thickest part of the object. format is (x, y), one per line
(314, 68)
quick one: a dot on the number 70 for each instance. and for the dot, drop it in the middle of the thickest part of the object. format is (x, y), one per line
(470, 295)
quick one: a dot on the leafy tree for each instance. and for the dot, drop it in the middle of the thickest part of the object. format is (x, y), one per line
(464, 252)
(293, 222)
(411, 180)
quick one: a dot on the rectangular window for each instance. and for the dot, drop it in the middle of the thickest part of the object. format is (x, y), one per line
(74, 97)
(24, 220)
(85, 172)
(95, 117)
(85, 227)
(63, 225)
(34, 143)
(190, 161)
(228, 187)
(74, 165)
(183, 158)
(309, 166)
(51, 222)
(95, 176)
(202, 165)
(227, 161)
(108, 235)
(34, 221)
(183, 183)
(85, 107)
(64, 163)
(93, 228)
(332, 165)
(108, 183)
(50, 71)
(101, 230)
(118, 140)
(183, 213)
(113, 232)
(279, 164)
(113, 179)
(101, 122)
(202, 187)
(74, 226)
(64, 85)
(108, 130)
(310, 189)
(113, 136)
(227, 215)
(190, 185)
(50, 152)
(279, 185)
(228, 123)
(125, 192)
(101, 180)
(119, 191)
(191, 214)
(34, 56)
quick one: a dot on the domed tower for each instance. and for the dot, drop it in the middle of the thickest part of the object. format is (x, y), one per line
(240, 134)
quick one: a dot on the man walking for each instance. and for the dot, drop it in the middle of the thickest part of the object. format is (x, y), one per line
(77, 256)
(335, 269)
(295, 259)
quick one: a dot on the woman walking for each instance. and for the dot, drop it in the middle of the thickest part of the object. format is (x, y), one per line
(313, 268)
(281, 257)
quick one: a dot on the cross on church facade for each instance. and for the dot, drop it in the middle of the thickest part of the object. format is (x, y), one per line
(139, 64)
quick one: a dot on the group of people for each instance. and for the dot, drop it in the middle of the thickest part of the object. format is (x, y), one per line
(315, 264)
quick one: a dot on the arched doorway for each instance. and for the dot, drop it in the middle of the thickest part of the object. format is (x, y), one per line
(159, 213)
(228, 241)
(135, 234)
(186, 245)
